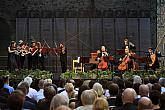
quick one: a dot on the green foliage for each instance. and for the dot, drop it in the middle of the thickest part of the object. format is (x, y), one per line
(36, 74)
(95, 74)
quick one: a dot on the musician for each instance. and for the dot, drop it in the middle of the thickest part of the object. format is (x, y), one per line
(100, 57)
(129, 44)
(12, 65)
(33, 56)
(22, 53)
(154, 64)
(63, 57)
(41, 56)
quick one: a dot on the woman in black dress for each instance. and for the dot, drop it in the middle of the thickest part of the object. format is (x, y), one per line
(12, 65)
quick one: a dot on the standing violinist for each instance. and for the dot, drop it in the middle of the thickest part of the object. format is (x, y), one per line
(63, 57)
(41, 56)
(154, 64)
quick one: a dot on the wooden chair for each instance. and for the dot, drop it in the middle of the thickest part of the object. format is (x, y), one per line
(77, 66)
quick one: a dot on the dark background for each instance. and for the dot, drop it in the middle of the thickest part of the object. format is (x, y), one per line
(83, 25)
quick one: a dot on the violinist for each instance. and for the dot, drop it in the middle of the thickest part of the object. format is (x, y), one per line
(63, 57)
(154, 64)
(33, 56)
(102, 53)
(41, 56)
(12, 65)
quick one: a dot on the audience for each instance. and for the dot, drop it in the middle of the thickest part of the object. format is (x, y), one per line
(100, 104)
(115, 94)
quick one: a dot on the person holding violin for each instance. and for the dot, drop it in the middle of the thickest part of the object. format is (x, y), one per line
(63, 57)
(102, 53)
(154, 64)
(41, 56)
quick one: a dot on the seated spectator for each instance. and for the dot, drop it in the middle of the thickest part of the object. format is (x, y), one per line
(137, 79)
(16, 100)
(27, 104)
(154, 97)
(162, 83)
(136, 88)
(100, 104)
(162, 101)
(32, 92)
(128, 84)
(98, 88)
(87, 98)
(144, 90)
(146, 80)
(113, 90)
(26, 85)
(81, 89)
(145, 104)
(49, 93)
(69, 91)
(58, 100)
(128, 97)
(6, 84)
(156, 86)
(62, 107)
(153, 79)
(40, 93)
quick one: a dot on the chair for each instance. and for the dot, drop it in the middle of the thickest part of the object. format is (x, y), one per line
(77, 66)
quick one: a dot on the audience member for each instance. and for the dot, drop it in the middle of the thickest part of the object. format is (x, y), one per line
(58, 100)
(143, 90)
(145, 104)
(87, 97)
(100, 104)
(32, 92)
(40, 93)
(44, 104)
(128, 97)
(98, 88)
(62, 107)
(6, 84)
(162, 83)
(156, 86)
(162, 101)
(154, 97)
(16, 100)
(137, 79)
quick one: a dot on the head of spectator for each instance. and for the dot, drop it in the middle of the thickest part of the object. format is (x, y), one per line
(115, 79)
(104, 83)
(113, 89)
(146, 80)
(153, 79)
(48, 81)
(16, 100)
(100, 104)
(28, 80)
(137, 79)
(49, 92)
(162, 100)
(69, 89)
(120, 83)
(154, 97)
(128, 84)
(41, 84)
(6, 80)
(88, 97)
(81, 89)
(22, 87)
(145, 104)
(62, 107)
(162, 81)
(128, 95)
(86, 82)
(99, 89)
(58, 100)
(91, 83)
(143, 90)
(46, 84)
(156, 86)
